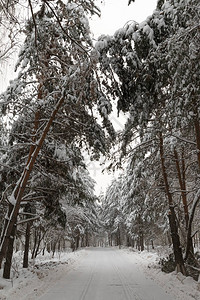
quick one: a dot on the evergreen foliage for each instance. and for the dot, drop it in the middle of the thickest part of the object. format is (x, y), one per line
(152, 70)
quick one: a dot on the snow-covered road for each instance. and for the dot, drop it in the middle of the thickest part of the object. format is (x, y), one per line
(105, 274)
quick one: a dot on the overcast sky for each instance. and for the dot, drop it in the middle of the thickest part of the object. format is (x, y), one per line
(115, 13)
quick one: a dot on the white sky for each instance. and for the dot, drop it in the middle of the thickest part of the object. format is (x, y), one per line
(114, 15)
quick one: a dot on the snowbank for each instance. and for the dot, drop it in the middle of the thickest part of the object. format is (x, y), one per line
(29, 284)
(183, 288)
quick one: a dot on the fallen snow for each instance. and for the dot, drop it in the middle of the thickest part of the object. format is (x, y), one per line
(29, 284)
(179, 286)
(45, 272)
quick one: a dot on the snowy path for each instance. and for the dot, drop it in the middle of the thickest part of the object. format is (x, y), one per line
(105, 274)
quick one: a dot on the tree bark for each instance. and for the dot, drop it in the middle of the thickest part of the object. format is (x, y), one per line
(197, 132)
(182, 183)
(172, 216)
(34, 244)
(119, 237)
(9, 254)
(182, 187)
(77, 239)
(141, 241)
(53, 247)
(152, 244)
(40, 238)
(26, 250)
(189, 238)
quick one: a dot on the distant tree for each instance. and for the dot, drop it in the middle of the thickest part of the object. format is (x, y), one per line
(112, 215)
(82, 221)
(141, 207)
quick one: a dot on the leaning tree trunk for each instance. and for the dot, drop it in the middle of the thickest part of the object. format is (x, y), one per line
(16, 190)
(10, 241)
(172, 215)
(9, 254)
(21, 185)
(41, 236)
(34, 244)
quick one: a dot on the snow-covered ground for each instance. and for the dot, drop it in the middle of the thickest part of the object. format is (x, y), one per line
(177, 285)
(100, 272)
(31, 283)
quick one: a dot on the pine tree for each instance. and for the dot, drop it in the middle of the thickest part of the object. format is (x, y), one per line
(57, 79)
(157, 65)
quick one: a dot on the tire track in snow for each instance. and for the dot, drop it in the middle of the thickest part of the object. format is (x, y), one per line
(85, 290)
(124, 281)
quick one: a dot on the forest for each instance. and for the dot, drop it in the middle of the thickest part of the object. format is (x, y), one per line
(58, 110)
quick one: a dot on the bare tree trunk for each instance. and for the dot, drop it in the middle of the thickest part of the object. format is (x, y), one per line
(197, 131)
(87, 239)
(182, 183)
(172, 216)
(182, 186)
(27, 240)
(53, 247)
(40, 238)
(196, 201)
(152, 244)
(35, 244)
(82, 242)
(119, 237)
(141, 241)
(9, 254)
(38, 247)
(138, 244)
(10, 208)
(73, 245)
(77, 239)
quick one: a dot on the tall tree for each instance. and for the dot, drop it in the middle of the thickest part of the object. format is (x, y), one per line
(57, 78)
(154, 83)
